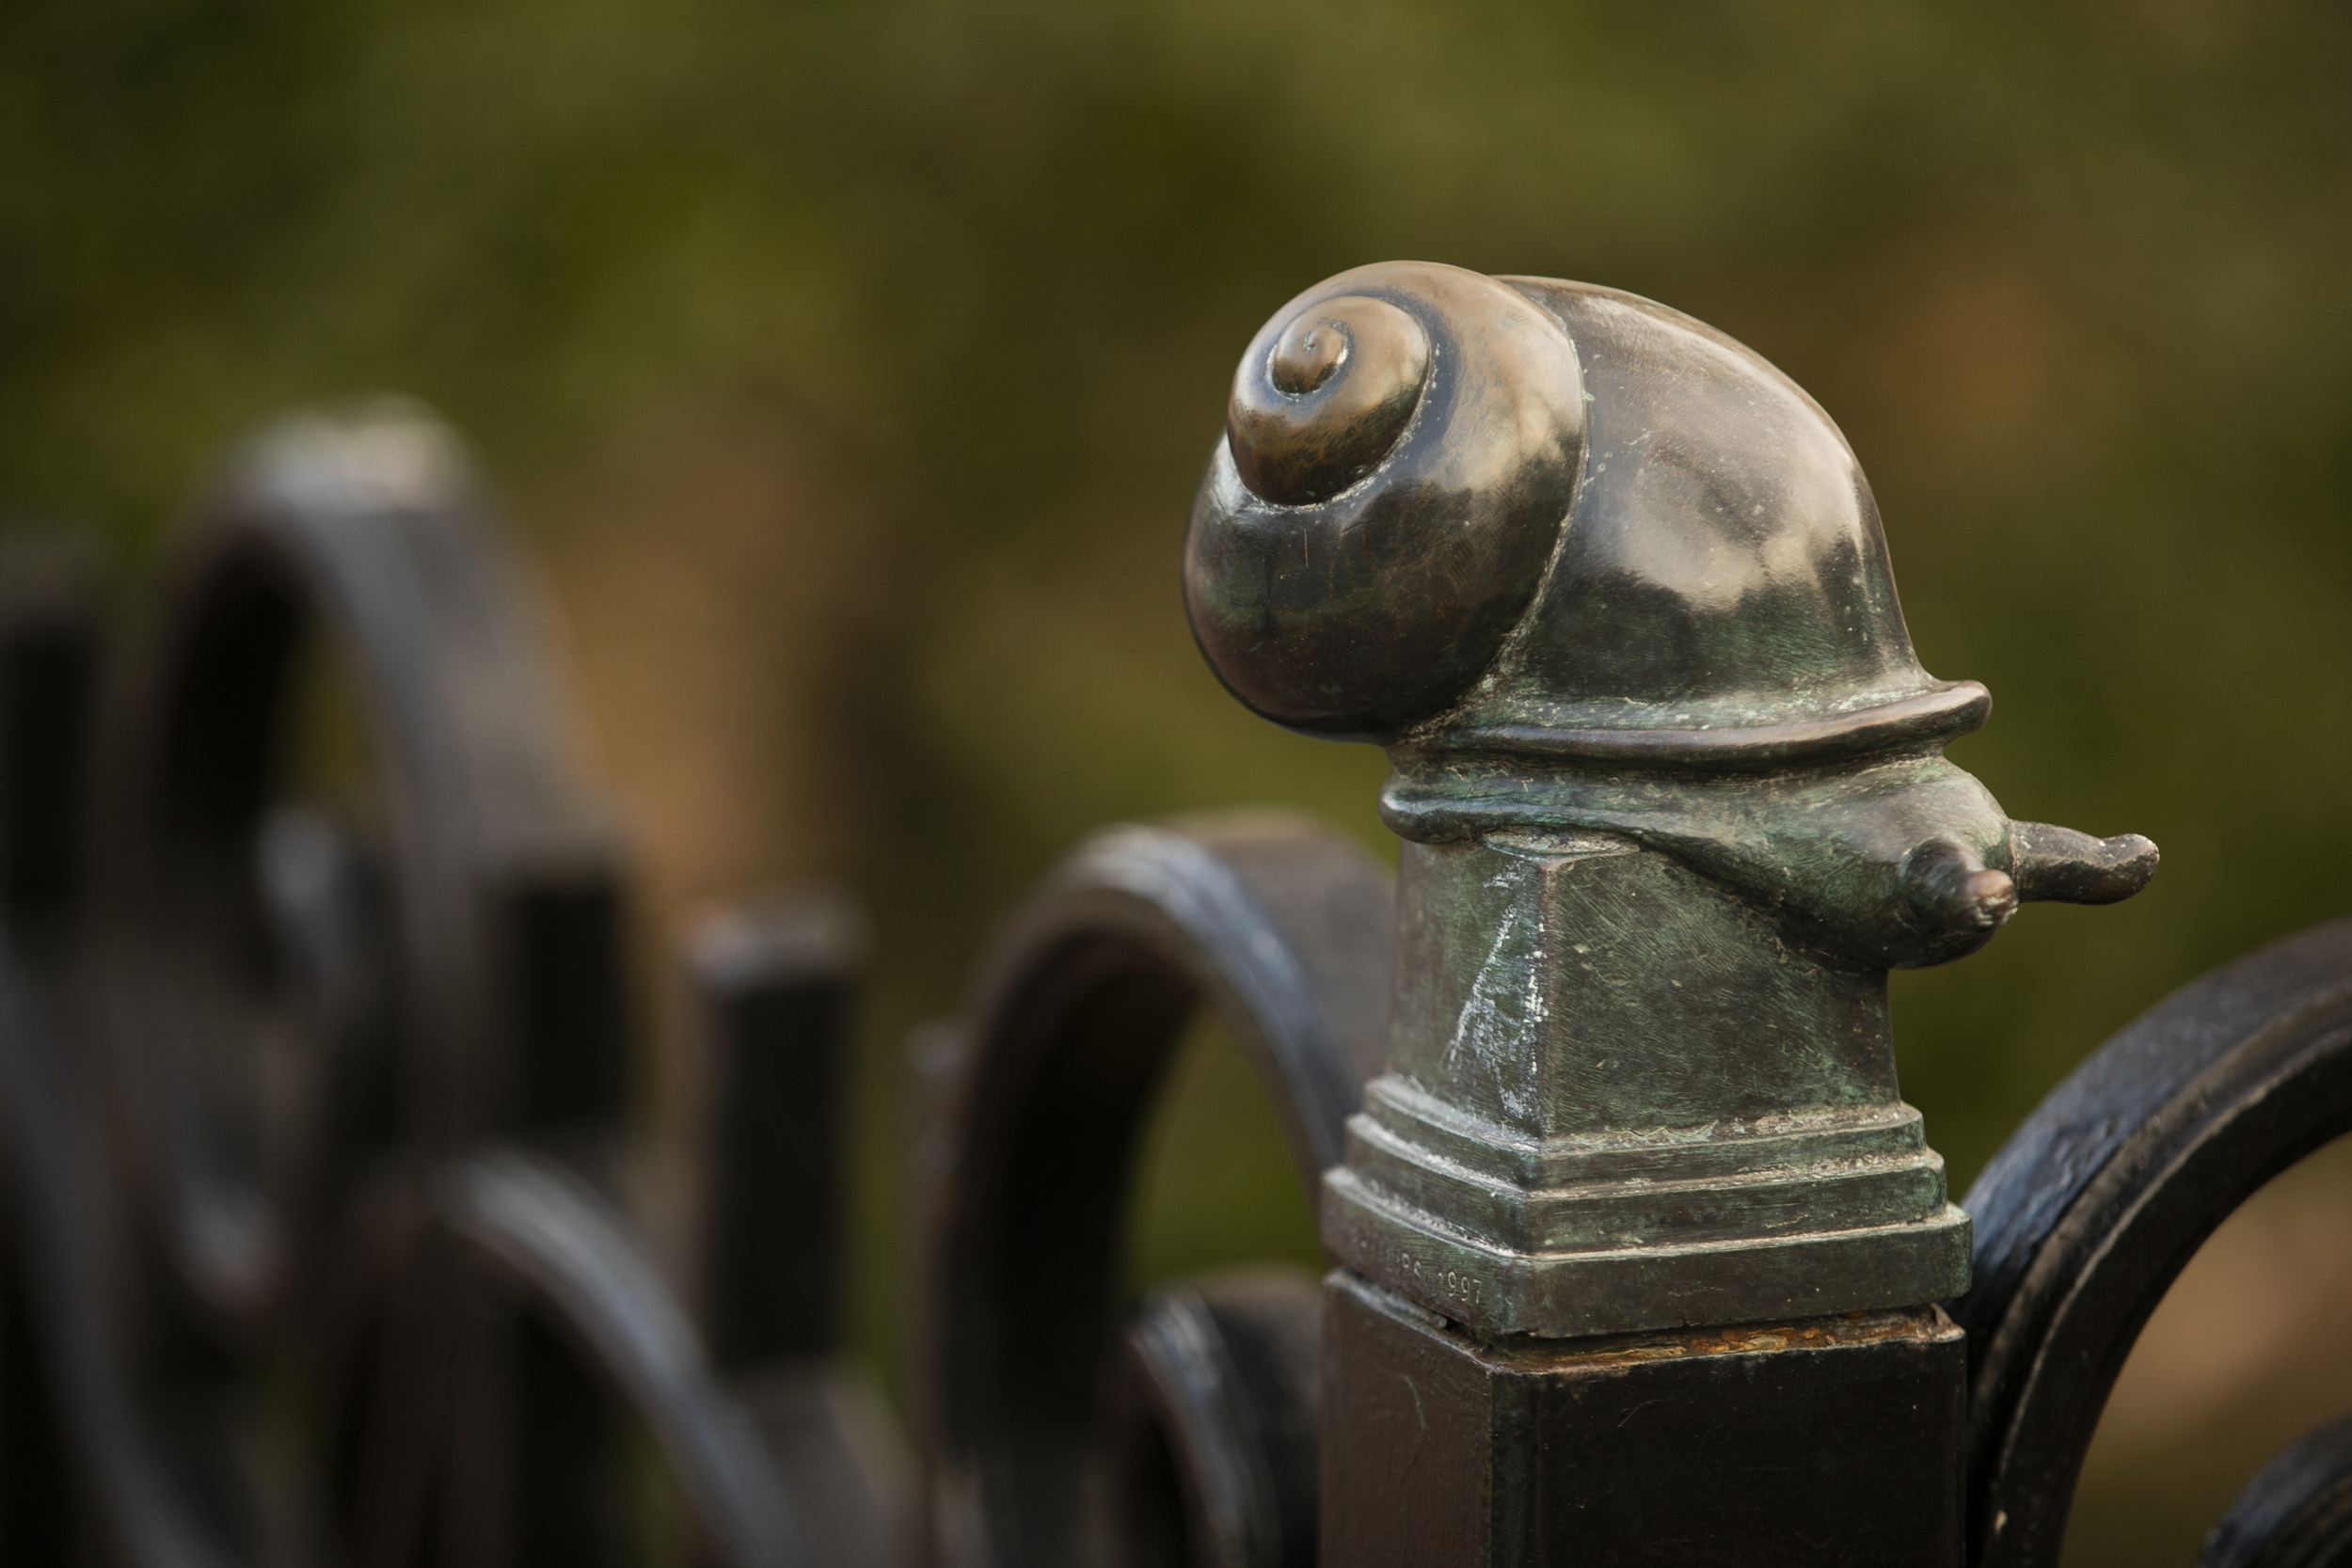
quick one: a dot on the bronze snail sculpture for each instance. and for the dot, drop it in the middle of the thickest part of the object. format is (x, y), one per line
(1492, 521)
(1612, 591)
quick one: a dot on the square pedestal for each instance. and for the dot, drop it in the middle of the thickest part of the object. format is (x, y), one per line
(1819, 1441)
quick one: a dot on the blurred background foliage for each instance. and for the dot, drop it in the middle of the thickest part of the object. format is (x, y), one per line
(849, 366)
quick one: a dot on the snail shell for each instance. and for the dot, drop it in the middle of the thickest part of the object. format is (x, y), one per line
(1399, 457)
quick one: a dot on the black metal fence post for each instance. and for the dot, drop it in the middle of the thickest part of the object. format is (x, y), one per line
(49, 641)
(777, 982)
(1643, 1250)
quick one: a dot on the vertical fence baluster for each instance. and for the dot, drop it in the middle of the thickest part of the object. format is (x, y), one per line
(777, 985)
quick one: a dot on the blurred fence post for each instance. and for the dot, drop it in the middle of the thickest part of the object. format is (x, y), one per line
(777, 983)
(48, 647)
(49, 644)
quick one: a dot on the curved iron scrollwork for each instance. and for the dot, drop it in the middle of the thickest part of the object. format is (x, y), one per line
(56, 1230)
(295, 995)
(1212, 1418)
(2094, 1205)
(549, 1236)
(2297, 1512)
(344, 1078)
(1282, 930)
(398, 931)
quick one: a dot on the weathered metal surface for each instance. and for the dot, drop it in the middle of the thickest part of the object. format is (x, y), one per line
(1612, 591)
(2091, 1208)
(1616, 1099)
(1275, 925)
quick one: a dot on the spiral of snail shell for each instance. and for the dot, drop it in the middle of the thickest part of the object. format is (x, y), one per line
(1337, 389)
(1399, 456)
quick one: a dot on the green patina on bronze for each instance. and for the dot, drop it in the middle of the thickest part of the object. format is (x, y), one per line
(1612, 592)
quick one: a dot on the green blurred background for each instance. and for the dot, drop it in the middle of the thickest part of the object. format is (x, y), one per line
(848, 368)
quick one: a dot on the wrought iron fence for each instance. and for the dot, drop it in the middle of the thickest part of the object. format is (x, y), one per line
(314, 1078)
